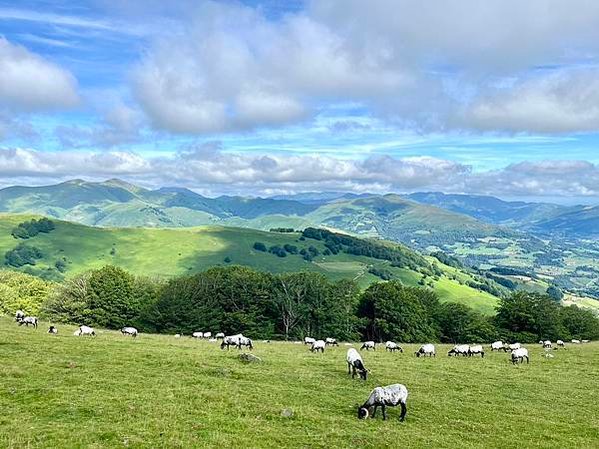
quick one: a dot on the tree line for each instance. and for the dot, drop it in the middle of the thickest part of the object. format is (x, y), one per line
(235, 299)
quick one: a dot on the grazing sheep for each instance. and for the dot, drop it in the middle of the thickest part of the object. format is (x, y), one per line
(177, 335)
(207, 334)
(28, 320)
(391, 346)
(19, 315)
(52, 330)
(318, 345)
(497, 346)
(197, 335)
(368, 345)
(514, 346)
(585, 341)
(85, 330)
(355, 364)
(575, 341)
(476, 349)
(560, 344)
(547, 344)
(220, 335)
(236, 340)
(459, 350)
(129, 331)
(391, 395)
(331, 341)
(309, 340)
(518, 355)
(427, 349)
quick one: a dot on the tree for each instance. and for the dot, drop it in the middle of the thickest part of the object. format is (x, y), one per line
(392, 311)
(111, 300)
(579, 323)
(259, 246)
(459, 323)
(555, 293)
(20, 291)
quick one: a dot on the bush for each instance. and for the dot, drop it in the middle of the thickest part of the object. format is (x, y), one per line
(23, 255)
(259, 246)
(31, 228)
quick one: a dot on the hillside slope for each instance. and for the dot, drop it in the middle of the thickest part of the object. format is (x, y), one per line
(168, 252)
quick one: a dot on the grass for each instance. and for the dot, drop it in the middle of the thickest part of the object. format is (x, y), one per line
(170, 252)
(158, 391)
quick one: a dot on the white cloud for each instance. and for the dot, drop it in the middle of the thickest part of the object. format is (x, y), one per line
(29, 82)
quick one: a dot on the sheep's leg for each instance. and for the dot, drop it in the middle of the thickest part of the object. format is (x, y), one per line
(353, 372)
(376, 407)
(348, 368)
(404, 410)
(527, 360)
(384, 408)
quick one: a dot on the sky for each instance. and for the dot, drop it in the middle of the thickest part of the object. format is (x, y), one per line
(269, 97)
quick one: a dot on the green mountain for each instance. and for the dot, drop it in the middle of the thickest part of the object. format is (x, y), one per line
(72, 248)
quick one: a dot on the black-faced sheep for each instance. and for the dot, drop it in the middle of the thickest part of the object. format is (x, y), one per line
(28, 321)
(476, 349)
(52, 330)
(459, 350)
(391, 346)
(355, 364)
(368, 345)
(318, 345)
(85, 330)
(331, 341)
(427, 349)
(518, 355)
(389, 396)
(131, 331)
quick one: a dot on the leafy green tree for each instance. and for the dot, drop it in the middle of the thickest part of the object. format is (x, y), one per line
(111, 300)
(579, 323)
(461, 324)
(555, 293)
(20, 291)
(69, 302)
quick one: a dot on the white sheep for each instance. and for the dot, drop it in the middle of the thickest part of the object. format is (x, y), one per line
(391, 395)
(497, 346)
(547, 344)
(19, 315)
(52, 330)
(514, 346)
(368, 345)
(518, 355)
(575, 341)
(331, 341)
(391, 346)
(355, 364)
(129, 331)
(427, 349)
(207, 334)
(85, 330)
(197, 335)
(560, 344)
(318, 345)
(476, 349)
(309, 340)
(238, 341)
(585, 341)
(220, 335)
(459, 350)
(28, 320)
(177, 335)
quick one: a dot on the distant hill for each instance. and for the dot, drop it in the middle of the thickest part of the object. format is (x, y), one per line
(71, 248)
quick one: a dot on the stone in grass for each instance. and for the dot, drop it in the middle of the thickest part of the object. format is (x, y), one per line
(249, 358)
(287, 413)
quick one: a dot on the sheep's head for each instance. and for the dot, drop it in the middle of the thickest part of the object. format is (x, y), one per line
(362, 413)
(364, 374)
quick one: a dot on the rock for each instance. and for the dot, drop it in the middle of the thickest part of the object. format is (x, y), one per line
(246, 357)
(286, 413)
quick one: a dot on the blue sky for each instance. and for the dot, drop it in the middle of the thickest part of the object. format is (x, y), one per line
(265, 97)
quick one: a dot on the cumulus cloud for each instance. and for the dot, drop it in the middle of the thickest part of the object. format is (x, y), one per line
(420, 64)
(31, 83)
(208, 168)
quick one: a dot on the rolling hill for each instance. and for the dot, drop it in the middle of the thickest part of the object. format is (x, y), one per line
(167, 252)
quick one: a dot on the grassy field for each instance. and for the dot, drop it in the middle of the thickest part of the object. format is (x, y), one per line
(170, 252)
(162, 392)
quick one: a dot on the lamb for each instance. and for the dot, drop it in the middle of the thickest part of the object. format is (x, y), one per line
(368, 345)
(476, 349)
(52, 330)
(129, 331)
(391, 395)
(355, 364)
(220, 335)
(85, 330)
(497, 346)
(331, 341)
(318, 345)
(518, 355)
(391, 346)
(309, 340)
(28, 320)
(427, 349)
(459, 350)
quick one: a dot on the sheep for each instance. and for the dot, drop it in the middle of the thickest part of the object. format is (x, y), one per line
(129, 331)
(52, 330)
(560, 344)
(19, 315)
(208, 335)
(318, 345)
(585, 341)
(391, 395)
(391, 346)
(575, 341)
(547, 344)
(476, 349)
(236, 340)
(518, 355)
(368, 345)
(497, 346)
(220, 335)
(331, 341)
(355, 364)
(427, 349)
(197, 335)
(28, 320)
(459, 350)
(514, 346)
(309, 340)
(177, 335)
(85, 330)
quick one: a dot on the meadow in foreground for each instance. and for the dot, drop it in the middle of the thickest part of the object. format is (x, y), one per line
(158, 391)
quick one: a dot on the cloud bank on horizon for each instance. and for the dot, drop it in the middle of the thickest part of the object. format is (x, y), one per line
(257, 97)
